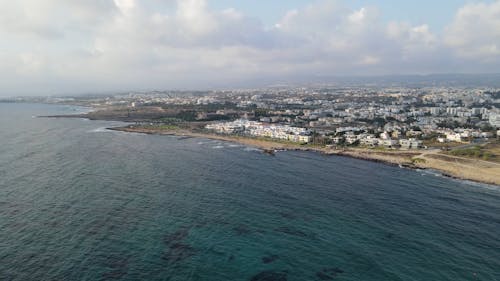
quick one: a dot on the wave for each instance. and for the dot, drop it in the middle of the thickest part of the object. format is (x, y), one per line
(251, 149)
(99, 130)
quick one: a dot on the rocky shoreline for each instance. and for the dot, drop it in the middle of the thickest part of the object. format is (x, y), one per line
(453, 167)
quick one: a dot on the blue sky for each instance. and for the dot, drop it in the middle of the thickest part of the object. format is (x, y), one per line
(436, 13)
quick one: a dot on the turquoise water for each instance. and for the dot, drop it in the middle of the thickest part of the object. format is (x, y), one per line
(78, 202)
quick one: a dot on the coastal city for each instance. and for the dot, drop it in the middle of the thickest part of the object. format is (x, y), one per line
(393, 117)
(216, 140)
(454, 130)
(390, 118)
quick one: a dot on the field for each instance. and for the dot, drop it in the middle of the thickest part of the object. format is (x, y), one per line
(487, 152)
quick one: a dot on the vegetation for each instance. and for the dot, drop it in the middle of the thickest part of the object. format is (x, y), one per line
(167, 120)
(416, 160)
(163, 127)
(187, 115)
(380, 148)
(473, 152)
(261, 112)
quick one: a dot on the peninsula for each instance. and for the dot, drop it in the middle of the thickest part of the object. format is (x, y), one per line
(452, 129)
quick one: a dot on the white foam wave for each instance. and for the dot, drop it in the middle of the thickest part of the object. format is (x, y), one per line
(99, 130)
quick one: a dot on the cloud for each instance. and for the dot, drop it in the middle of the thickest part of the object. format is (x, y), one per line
(475, 32)
(97, 45)
(52, 19)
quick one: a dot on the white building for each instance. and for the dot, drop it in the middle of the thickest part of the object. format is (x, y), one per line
(435, 110)
(259, 129)
(410, 143)
(371, 141)
(385, 136)
(454, 137)
(388, 143)
(495, 120)
(452, 111)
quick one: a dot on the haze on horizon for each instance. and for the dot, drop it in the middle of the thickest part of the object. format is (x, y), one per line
(66, 47)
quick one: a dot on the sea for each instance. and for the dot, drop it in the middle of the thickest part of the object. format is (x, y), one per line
(79, 202)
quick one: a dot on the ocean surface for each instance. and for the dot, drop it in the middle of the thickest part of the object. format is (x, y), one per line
(78, 202)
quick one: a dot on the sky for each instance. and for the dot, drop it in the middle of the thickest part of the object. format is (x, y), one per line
(437, 14)
(56, 47)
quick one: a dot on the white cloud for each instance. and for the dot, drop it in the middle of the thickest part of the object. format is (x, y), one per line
(194, 17)
(475, 32)
(121, 44)
(125, 5)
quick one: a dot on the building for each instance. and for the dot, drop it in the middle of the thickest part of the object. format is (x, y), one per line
(259, 129)
(475, 111)
(370, 141)
(435, 111)
(452, 111)
(454, 137)
(389, 143)
(495, 120)
(410, 143)
(304, 138)
(385, 136)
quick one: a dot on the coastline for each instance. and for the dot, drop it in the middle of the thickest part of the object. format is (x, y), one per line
(450, 166)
